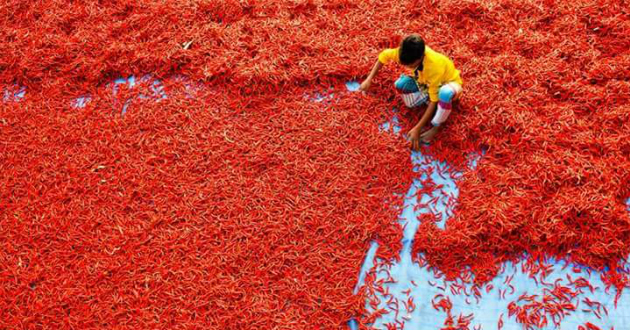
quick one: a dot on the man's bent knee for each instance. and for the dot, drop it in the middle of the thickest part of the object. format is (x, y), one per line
(446, 94)
(406, 84)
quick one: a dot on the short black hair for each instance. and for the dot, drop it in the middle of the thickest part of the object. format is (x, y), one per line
(411, 49)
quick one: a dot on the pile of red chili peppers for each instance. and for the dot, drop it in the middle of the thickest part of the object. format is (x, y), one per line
(239, 202)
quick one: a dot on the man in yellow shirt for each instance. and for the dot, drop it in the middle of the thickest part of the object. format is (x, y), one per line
(434, 79)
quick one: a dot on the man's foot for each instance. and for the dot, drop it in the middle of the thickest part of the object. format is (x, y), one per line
(427, 136)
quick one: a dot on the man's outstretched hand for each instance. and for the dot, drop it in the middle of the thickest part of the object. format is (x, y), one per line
(414, 138)
(365, 85)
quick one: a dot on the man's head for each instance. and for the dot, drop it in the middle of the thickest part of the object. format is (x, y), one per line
(411, 51)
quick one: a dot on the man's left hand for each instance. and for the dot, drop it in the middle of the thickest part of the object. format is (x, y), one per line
(414, 138)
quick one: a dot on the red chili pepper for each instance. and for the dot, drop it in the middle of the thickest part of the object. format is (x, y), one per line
(591, 326)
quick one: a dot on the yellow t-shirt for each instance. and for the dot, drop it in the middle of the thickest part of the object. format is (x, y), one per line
(437, 69)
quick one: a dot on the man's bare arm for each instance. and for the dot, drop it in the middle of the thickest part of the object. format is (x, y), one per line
(365, 85)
